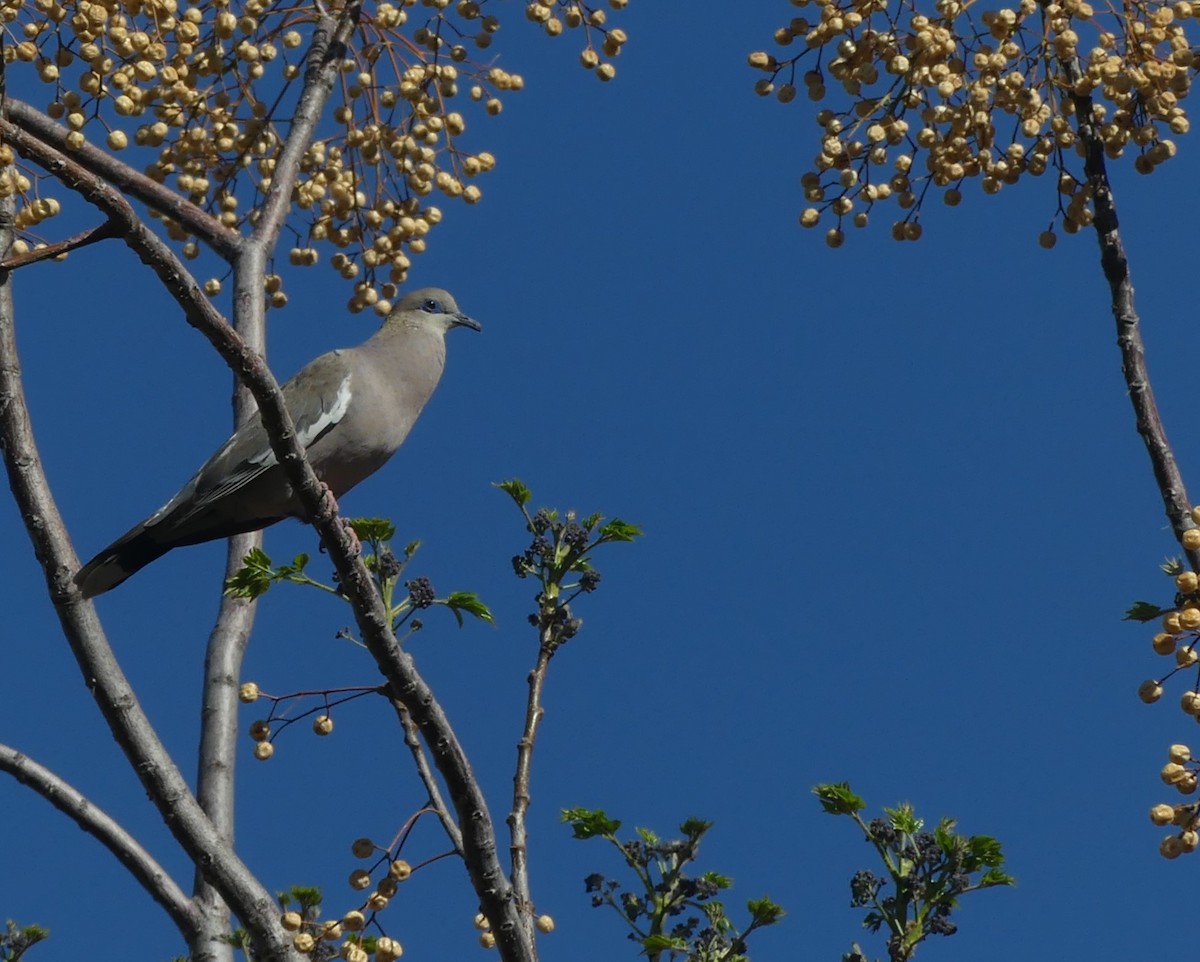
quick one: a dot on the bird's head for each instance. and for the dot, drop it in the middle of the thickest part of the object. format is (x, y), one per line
(430, 307)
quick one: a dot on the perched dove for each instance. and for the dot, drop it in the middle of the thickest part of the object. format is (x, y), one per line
(352, 409)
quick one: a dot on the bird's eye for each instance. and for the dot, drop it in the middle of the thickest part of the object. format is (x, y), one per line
(432, 305)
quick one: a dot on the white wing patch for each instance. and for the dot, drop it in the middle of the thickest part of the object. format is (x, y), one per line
(306, 434)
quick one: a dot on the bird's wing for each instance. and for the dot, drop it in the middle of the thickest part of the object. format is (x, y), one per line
(318, 398)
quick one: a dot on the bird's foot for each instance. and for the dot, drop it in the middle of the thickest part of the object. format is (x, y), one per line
(355, 544)
(329, 505)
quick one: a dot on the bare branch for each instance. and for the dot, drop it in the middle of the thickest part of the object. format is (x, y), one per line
(154, 195)
(321, 69)
(72, 803)
(218, 740)
(1129, 335)
(90, 236)
(519, 846)
(413, 742)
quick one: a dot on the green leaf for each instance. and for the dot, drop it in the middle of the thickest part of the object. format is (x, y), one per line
(588, 823)
(694, 828)
(655, 944)
(517, 490)
(647, 836)
(591, 521)
(765, 912)
(837, 798)
(618, 530)
(300, 562)
(1173, 567)
(1144, 611)
(715, 878)
(410, 549)
(373, 529)
(467, 601)
(985, 850)
(253, 578)
(904, 819)
(994, 876)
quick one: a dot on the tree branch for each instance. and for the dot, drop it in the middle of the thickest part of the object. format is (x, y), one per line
(162, 780)
(109, 833)
(519, 845)
(1115, 265)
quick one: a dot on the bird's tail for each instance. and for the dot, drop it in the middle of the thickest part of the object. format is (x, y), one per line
(127, 555)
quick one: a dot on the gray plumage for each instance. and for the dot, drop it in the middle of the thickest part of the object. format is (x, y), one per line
(352, 409)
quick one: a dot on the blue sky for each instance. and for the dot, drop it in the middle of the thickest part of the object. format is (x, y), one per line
(893, 498)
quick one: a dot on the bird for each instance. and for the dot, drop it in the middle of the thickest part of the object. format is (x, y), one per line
(352, 409)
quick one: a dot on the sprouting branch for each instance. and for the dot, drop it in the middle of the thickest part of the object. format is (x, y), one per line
(519, 843)
(72, 803)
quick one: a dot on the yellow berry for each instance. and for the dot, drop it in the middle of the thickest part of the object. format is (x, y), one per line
(291, 921)
(400, 870)
(480, 922)
(1180, 753)
(248, 692)
(1170, 847)
(1047, 239)
(362, 848)
(260, 730)
(354, 921)
(1164, 644)
(545, 923)
(360, 879)
(387, 950)
(1190, 539)
(1186, 582)
(1150, 691)
(303, 942)
(263, 751)
(1189, 618)
(322, 724)
(1162, 814)
(487, 940)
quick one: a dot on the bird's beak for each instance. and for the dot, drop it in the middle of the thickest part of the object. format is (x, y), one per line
(461, 320)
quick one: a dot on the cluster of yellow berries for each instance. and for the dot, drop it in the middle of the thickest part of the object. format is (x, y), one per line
(487, 939)
(553, 15)
(1184, 817)
(347, 930)
(205, 90)
(260, 730)
(934, 98)
(1178, 640)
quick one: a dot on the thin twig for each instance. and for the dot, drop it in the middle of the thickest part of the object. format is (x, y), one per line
(436, 802)
(90, 236)
(521, 781)
(108, 832)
